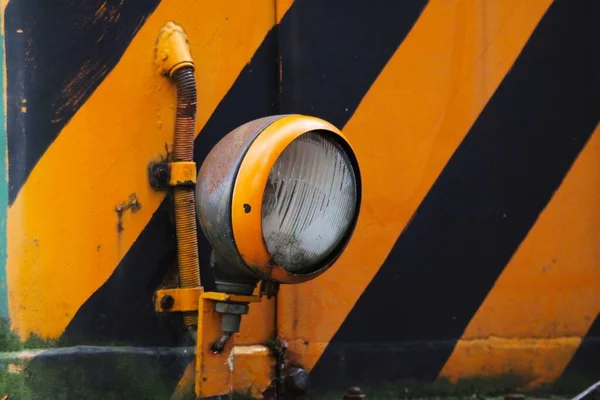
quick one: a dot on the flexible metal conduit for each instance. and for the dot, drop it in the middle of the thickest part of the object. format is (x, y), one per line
(174, 59)
(185, 210)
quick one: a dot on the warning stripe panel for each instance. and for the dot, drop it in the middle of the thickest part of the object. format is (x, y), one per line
(64, 238)
(477, 213)
(406, 128)
(132, 283)
(546, 299)
(57, 54)
(418, 110)
(253, 95)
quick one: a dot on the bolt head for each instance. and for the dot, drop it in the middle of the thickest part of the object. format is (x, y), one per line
(159, 175)
(297, 380)
(166, 302)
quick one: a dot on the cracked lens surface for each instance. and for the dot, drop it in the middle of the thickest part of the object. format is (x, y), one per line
(309, 202)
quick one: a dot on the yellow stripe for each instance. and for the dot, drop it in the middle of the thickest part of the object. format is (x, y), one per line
(281, 7)
(404, 131)
(547, 297)
(63, 238)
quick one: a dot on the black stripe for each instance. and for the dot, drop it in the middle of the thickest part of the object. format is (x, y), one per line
(333, 51)
(57, 53)
(373, 29)
(478, 211)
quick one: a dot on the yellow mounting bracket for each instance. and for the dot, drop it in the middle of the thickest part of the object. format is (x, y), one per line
(187, 299)
(213, 371)
(169, 174)
(182, 173)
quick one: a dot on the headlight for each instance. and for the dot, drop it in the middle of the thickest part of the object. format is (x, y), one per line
(308, 203)
(278, 198)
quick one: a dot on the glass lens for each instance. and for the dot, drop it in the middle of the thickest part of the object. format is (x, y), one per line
(309, 202)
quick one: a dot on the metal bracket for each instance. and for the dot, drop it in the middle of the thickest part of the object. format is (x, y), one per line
(231, 297)
(214, 346)
(177, 300)
(183, 173)
(178, 173)
(187, 299)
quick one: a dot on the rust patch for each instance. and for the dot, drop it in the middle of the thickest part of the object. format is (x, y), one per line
(132, 205)
(77, 87)
(221, 162)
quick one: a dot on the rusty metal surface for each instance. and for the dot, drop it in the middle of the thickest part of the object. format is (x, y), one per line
(213, 198)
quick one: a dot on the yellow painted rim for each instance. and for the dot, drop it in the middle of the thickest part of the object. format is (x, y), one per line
(249, 187)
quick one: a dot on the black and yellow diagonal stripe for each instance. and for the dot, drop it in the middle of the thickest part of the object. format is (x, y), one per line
(100, 157)
(476, 125)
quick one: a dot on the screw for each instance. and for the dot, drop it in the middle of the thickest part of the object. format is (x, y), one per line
(166, 302)
(297, 380)
(354, 393)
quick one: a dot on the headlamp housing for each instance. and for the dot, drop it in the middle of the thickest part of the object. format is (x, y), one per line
(278, 199)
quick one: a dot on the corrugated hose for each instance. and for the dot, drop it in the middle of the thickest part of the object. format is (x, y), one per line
(185, 210)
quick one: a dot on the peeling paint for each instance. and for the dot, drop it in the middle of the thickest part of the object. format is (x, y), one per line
(132, 205)
(230, 360)
(255, 349)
